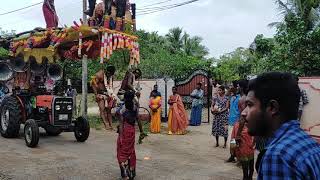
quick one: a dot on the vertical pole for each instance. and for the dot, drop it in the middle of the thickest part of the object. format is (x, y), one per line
(209, 91)
(84, 101)
(133, 8)
(165, 99)
(84, 8)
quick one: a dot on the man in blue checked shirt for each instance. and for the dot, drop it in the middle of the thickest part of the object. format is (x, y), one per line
(271, 111)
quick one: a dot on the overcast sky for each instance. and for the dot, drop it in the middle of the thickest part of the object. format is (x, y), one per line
(223, 24)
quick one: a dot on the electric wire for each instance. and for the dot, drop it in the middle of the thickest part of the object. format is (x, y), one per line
(16, 10)
(159, 9)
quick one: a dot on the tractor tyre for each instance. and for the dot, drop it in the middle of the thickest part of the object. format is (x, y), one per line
(53, 131)
(81, 129)
(11, 115)
(31, 133)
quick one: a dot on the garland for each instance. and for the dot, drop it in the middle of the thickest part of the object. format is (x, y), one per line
(52, 40)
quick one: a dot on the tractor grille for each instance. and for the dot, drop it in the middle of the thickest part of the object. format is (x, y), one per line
(62, 116)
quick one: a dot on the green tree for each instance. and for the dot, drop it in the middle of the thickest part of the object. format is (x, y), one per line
(4, 54)
(235, 65)
(157, 59)
(192, 46)
(294, 47)
(174, 38)
(307, 10)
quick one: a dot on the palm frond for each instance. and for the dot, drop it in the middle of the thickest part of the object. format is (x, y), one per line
(274, 24)
(313, 16)
(283, 7)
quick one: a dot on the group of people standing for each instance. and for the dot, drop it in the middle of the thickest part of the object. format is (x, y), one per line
(177, 116)
(228, 123)
(178, 120)
(263, 114)
(226, 108)
(265, 109)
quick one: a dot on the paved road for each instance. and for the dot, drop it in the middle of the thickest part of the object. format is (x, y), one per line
(188, 157)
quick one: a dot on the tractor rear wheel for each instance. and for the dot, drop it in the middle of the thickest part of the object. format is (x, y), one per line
(31, 133)
(10, 117)
(81, 129)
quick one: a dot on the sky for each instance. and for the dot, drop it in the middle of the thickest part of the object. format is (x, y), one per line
(224, 25)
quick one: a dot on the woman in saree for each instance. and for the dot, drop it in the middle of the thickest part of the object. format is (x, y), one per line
(177, 118)
(155, 107)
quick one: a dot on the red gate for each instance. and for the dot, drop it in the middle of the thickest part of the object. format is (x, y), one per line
(186, 84)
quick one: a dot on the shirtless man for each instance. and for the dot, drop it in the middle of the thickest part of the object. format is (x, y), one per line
(101, 86)
(128, 84)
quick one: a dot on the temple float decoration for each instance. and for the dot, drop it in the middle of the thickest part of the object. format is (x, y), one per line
(104, 34)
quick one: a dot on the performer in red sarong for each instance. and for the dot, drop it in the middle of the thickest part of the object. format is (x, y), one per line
(50, 14)
(126, 154)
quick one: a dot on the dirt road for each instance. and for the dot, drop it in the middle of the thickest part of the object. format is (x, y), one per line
(189, 157)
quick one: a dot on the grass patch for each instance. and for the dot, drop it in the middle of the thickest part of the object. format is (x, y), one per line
(95, 122)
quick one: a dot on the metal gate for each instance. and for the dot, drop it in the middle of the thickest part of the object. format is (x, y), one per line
(186, 84)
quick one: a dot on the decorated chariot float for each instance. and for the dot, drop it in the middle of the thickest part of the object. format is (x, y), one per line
(28, 77)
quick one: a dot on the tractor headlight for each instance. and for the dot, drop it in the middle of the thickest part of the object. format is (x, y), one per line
(69, 107)
(57, 108)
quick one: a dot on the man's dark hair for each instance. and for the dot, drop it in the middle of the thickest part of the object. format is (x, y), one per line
(222, 87)
(278, 86)
(128, 100)
(111, 70)
(297, 78)
(138, 73)
(243, 84)
(235, 83)
(233, 90)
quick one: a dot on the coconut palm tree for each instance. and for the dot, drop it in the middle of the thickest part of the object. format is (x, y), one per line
(192, 46)
(307, 10)
(174, 38)
(155, 38)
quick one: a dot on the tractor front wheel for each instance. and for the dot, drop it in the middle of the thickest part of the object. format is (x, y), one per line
(31, 133)
(81, 129)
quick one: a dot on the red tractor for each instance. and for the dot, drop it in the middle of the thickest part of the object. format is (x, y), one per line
(35, 107)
